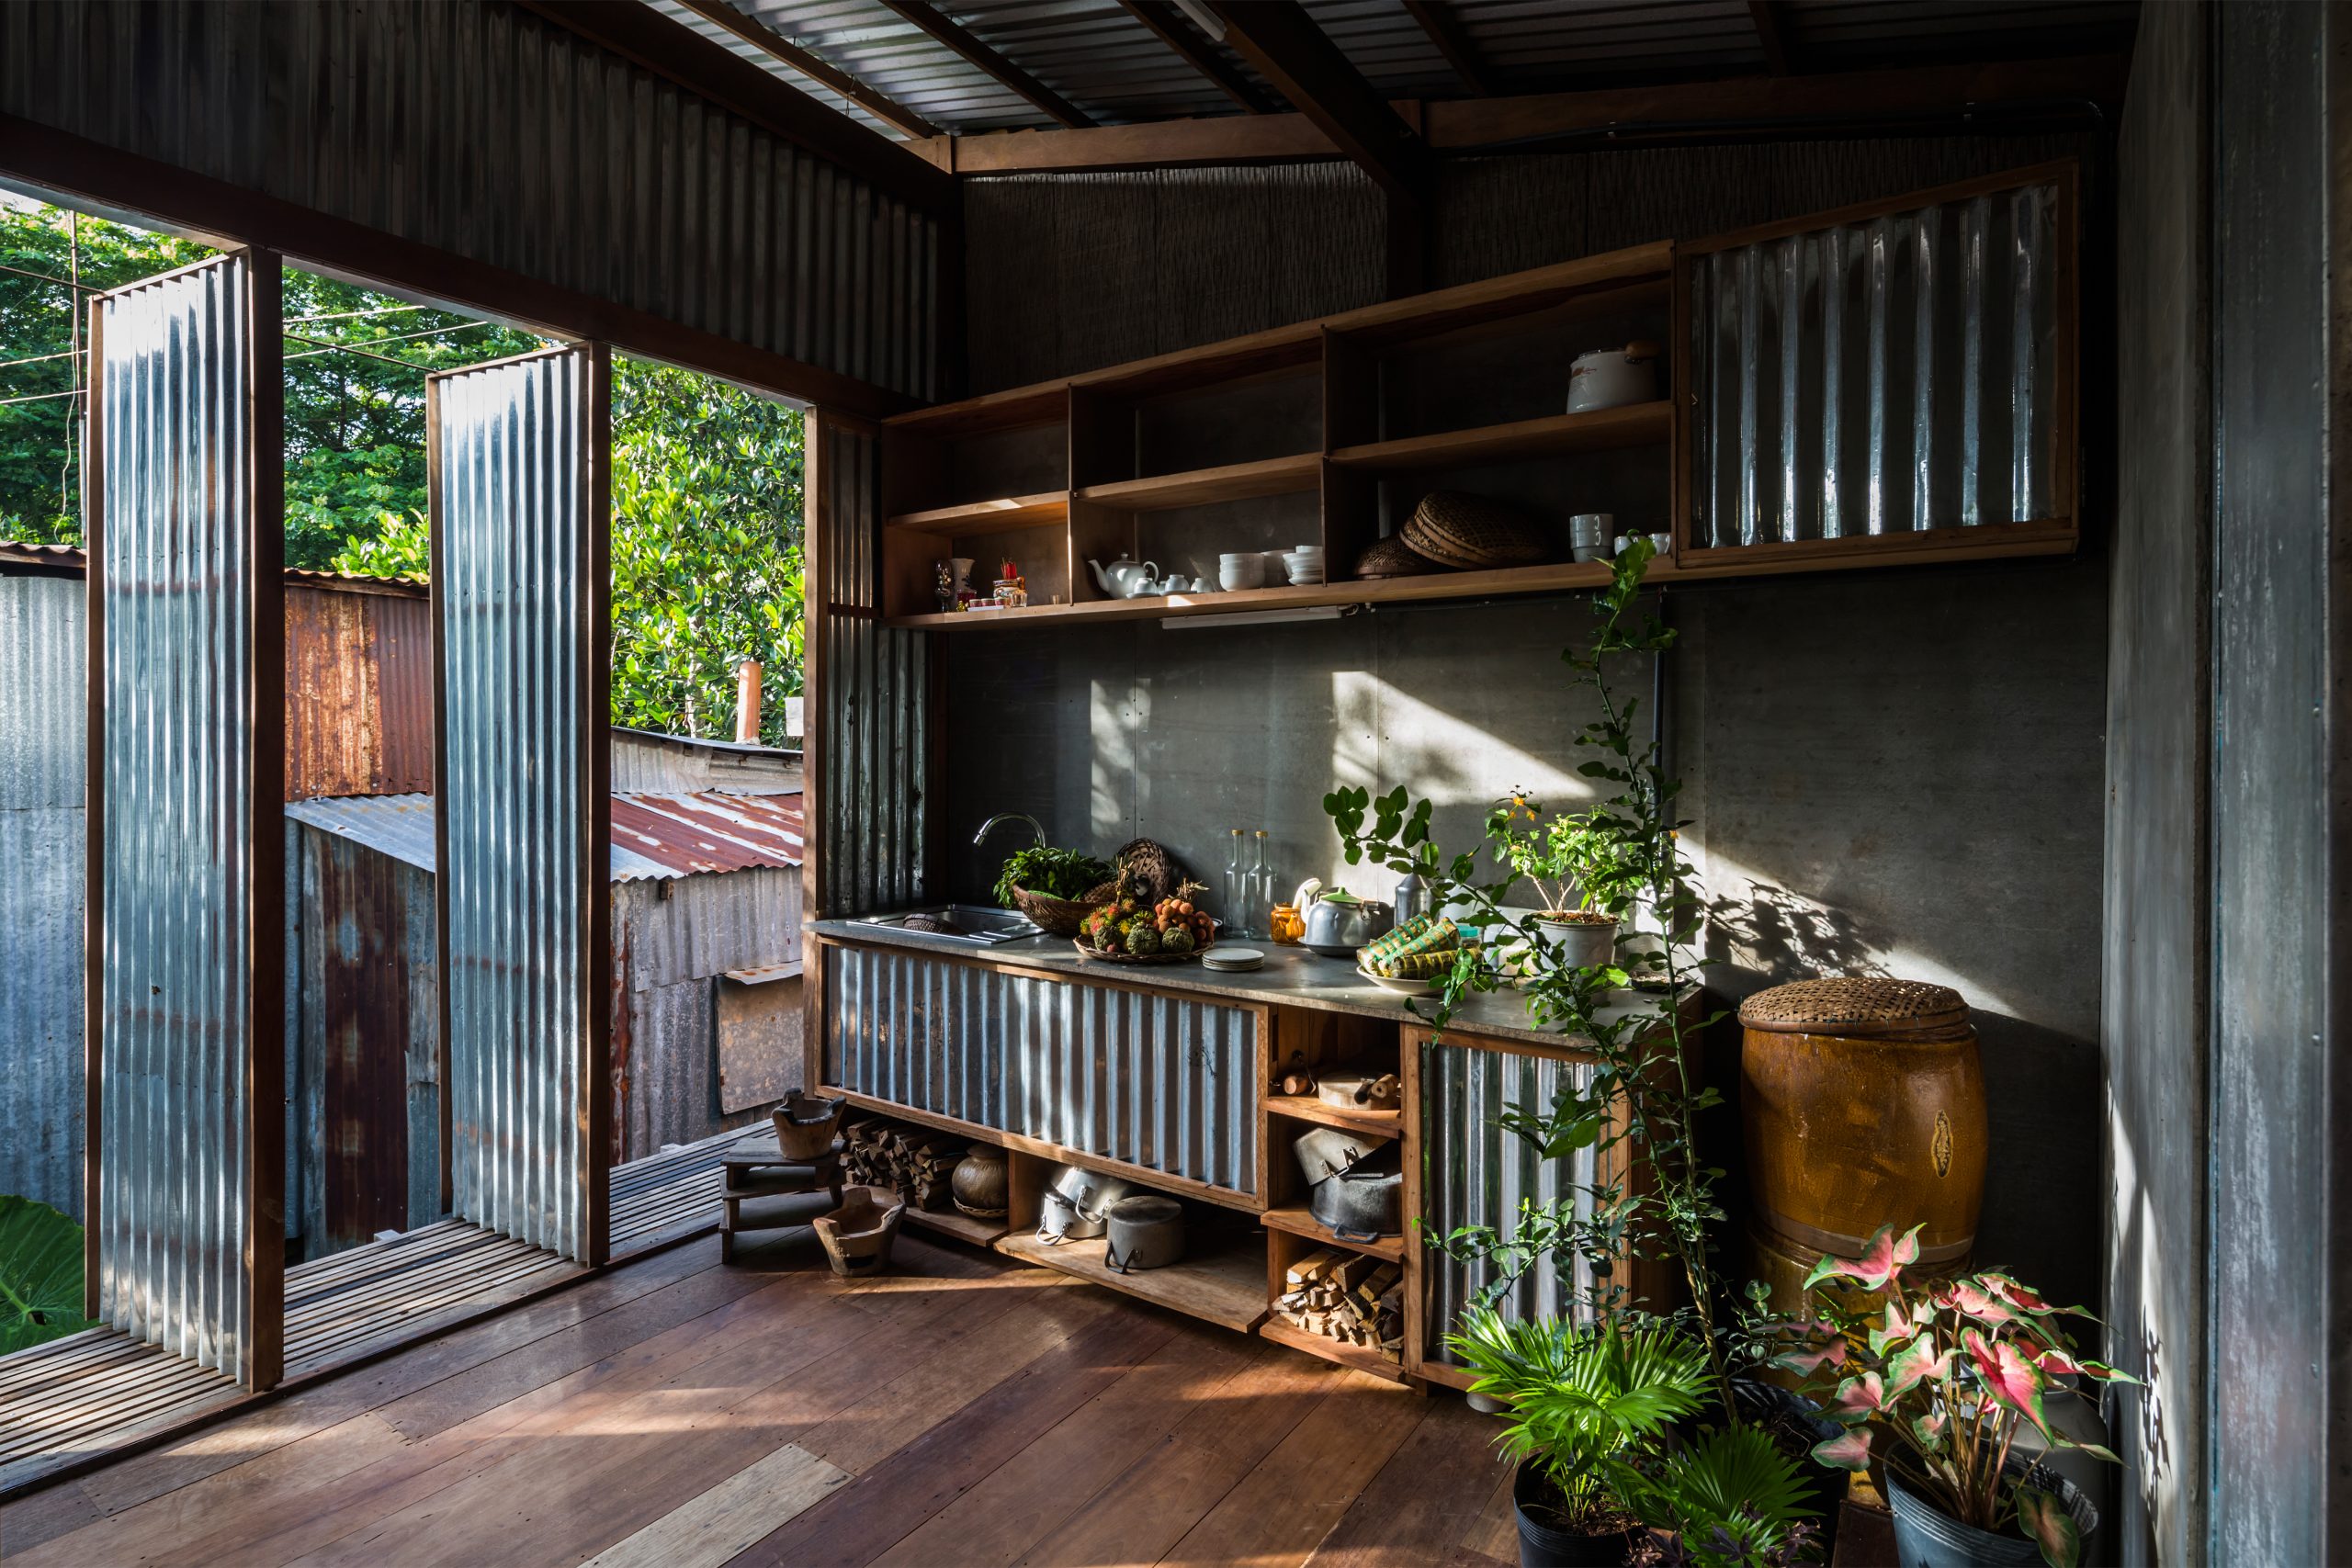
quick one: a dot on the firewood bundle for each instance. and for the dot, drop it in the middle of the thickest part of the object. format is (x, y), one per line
(913, 1162)
(1352, 1297)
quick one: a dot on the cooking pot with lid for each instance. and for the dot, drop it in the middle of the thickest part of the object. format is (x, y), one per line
(1356, 1183)
(1146, 1231)
(1077, 1203)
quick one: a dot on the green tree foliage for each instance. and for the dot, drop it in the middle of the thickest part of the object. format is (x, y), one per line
(706, 512)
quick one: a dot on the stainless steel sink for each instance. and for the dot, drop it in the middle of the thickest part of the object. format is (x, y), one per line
(956, 925)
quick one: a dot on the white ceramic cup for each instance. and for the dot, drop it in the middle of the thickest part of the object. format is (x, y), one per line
(1249, 571)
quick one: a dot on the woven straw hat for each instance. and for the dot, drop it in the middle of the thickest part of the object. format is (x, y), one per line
(1471, 531)
(1392, 557)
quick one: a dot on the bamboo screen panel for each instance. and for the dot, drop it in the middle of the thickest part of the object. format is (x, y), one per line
(1901, 372)
(184, 577)
(523, 811)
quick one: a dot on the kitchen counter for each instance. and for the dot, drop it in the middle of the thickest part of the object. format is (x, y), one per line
(1292, 977)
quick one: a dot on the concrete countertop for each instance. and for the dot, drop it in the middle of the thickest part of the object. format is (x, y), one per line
(1291, 977)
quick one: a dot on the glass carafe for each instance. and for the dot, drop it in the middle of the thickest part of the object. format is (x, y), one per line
(1262, 889)
(1235, 891)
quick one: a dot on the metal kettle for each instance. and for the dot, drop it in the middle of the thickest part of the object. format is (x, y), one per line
(1338, 923)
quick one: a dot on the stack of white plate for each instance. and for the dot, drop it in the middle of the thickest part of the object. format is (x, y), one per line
(1233, 960)
(1303, 564)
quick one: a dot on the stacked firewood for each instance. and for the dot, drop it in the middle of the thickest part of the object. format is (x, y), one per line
(1353, 1297)
(913, 1162)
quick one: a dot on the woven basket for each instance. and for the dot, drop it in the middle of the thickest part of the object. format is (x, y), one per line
(1857, 1007)
(1392, 557)
(1472, 532)
(1153, 870)
(1058, 917)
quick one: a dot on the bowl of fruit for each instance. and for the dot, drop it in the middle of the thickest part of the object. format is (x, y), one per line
(1129, 930)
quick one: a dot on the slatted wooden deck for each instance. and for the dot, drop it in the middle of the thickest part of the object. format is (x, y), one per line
(93, 1392)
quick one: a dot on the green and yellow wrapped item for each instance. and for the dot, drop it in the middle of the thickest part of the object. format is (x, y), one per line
(1418, 965)
(1419, 934)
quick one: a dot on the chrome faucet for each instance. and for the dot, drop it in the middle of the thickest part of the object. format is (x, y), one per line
(990, 825)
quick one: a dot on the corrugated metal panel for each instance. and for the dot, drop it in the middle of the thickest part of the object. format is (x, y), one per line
(41, 758)
(876, 709)
(1160, 1082)
(699, 926)
(683, 834)
(177, 837)
(487, 131)
(644, 760)
(358, 692)
(1879, 378)
(1475, 1173)
(509, 556)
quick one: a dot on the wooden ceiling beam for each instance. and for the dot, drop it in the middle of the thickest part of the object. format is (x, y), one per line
(930, 19)
(1445, 30)
(1749, 106)
(1771, 34)
(1283, 44)
(1170, 27)
(817, 69)
(710, 70)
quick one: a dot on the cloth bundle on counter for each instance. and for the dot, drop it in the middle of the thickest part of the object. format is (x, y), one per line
(1421, 949)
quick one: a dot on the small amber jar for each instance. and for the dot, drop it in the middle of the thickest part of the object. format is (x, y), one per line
(1286, 926)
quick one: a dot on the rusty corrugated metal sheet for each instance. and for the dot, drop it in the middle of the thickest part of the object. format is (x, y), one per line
(504, 138)
(43, 741)
(680, 835)
(358, 692)
(173, 380)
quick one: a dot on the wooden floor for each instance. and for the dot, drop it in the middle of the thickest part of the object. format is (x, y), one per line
(62, 1402)
(965, 1409)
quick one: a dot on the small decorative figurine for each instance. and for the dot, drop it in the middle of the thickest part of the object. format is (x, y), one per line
(945, 590)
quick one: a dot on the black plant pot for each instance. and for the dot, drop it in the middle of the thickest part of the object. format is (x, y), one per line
(1543, 1544)
(1927, 1536)
(1824, 1484)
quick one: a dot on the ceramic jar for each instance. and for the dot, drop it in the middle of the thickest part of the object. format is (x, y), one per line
(978, 1185)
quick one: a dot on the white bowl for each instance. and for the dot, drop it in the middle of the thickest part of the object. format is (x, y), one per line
(1237, 577)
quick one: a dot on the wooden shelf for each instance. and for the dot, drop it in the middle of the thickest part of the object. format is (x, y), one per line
(1294, 1218)
(1201, 487)
(1307, 1107)
(1361, 1357)
(1226, 1287)
(955, 1223)
(1639, 424)
(1048, 509)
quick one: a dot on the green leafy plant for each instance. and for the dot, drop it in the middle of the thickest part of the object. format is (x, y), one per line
(40, 1275)
(1056, 874)
(1579, 864)
(1586, 1402)
(1732, 1499)
(1936, 1379)
(1639, 1107)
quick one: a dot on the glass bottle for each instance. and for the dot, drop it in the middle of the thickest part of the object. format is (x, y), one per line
(1237, 891)
(1261, 890)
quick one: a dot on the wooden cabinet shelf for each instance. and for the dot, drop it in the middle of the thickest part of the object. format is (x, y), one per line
(1203, 487)
(957, 1223)
(1362, 1358)
(1294, 1218)
(1227, 1286)
(1049, 509)
(1307, 1107)
(1641, 424)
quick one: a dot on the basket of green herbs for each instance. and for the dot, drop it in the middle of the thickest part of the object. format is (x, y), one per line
(1053, 886)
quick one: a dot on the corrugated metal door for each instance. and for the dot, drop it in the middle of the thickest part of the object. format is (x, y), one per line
(518, 459)
(187, 726)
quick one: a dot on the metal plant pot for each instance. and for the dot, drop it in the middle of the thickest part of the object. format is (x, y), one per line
(1927, 1536)
(1584, 944)
(1543, 1544)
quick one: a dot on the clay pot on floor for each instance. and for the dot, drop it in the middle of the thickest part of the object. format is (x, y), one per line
(977, 1185)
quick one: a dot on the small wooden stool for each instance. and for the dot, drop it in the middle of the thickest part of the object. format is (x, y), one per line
(755, 1169)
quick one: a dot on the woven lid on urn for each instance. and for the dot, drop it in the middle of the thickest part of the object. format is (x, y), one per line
(1861, 1008)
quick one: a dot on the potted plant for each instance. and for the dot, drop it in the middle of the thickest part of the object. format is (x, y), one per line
(1587, 874)
(1729, 1499)
(1582, 1404)
(1935, 1380)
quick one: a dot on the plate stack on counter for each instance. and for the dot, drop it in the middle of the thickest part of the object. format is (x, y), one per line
(1233, 960)
(1414, 957)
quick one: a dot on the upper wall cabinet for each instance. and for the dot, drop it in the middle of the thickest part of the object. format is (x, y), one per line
(1874, 386)
(1884, 379)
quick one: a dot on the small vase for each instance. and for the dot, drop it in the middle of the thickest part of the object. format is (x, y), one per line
(1583, 944)
(978, 1185)
(1927, 1536)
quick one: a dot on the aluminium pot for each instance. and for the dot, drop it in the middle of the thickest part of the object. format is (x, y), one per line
(1927, 1536)
(1583, 944)
(1076, 1204)
(1146, 1231)
(1543, 1543)
(1356, 1184)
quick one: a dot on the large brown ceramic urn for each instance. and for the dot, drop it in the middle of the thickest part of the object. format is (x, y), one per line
(1863, 1104)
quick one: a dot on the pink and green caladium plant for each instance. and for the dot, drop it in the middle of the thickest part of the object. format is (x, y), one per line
(1934, 1378)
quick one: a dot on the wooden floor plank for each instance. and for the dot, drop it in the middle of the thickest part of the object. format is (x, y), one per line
(729, 1518)
(1427, 1499)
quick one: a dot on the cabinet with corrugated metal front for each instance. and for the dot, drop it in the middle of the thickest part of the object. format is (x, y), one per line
(1164, 1083)
(1472, 1172)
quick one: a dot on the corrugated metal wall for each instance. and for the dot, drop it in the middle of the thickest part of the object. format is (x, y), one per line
(175, 537)
(1474, 1173)
(875, 718)
(481, 129)
(358, 692)
(42, 738)
(1162, 1083)
(1880, 377)
(509, 514)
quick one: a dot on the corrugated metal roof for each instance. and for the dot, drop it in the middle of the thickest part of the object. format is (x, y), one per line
(18, 551)
(655, 836)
